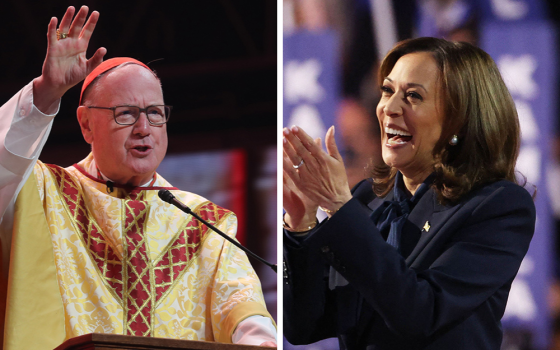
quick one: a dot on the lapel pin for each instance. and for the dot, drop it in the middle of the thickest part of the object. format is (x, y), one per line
(427, 226)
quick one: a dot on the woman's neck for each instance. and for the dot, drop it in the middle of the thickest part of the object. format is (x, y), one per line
(413, 181)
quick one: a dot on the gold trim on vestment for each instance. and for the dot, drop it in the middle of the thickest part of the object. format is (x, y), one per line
(167, 249)
(184, 303)
(137, 212)
(93, 222)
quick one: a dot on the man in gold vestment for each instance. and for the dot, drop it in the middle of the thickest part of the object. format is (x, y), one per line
(91, 248)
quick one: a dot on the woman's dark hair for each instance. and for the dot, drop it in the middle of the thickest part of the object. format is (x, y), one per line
(477, 107)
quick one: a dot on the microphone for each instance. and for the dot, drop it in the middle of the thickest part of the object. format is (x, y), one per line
(168, 197)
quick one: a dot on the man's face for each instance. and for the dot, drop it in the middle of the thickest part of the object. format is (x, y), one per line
(127, 154)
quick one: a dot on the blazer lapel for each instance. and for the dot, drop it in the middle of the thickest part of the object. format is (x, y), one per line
(427, 210)
(429, 216)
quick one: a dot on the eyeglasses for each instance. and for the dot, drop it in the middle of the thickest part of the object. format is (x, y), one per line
(128, 115)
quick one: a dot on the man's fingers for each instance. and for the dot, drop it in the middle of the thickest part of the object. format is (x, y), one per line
(96, 59)
(51, 30)
(78, 22)
(330, 142)
(269, 344)
(87, 31)
(66, 20)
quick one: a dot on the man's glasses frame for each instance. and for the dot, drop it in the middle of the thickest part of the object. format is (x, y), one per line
(166, 108)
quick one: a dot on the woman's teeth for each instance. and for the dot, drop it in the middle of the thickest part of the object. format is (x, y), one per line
(396, 132)
(397, 137)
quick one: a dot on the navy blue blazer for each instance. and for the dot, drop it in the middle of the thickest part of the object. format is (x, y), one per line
(447, 291)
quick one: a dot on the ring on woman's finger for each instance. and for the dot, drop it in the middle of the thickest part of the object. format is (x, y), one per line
(60, 35)
(299, 165)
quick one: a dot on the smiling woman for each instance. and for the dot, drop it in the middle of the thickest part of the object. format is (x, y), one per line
(423, 254)
(480, 115)
(410, 115)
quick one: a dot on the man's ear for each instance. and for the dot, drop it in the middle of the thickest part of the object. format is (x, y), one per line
(84, 118)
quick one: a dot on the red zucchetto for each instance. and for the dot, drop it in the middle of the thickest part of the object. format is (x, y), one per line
(105, 66)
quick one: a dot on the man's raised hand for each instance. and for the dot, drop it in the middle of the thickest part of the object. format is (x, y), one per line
(65, 63)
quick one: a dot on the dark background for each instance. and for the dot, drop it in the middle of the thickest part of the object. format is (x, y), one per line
(218, 72)
(218, 68)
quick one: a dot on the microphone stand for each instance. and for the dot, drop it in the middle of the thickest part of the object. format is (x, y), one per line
(168, 197)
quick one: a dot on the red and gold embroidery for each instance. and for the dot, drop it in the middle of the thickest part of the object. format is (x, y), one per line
(139, 296)
(177, 255)
(107, 263)
(137, 283)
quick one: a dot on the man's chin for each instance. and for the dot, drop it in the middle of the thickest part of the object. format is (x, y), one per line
(137, 174)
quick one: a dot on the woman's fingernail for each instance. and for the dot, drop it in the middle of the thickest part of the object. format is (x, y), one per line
(295, 128)
(284, 140)
(286, 131)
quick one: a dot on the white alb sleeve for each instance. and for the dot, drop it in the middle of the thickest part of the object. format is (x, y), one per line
(23, 133)
(254, 330)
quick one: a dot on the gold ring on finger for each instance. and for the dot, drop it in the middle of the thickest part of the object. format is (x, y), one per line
(60, 35)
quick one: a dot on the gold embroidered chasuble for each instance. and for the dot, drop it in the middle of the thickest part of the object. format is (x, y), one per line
(84, 261)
